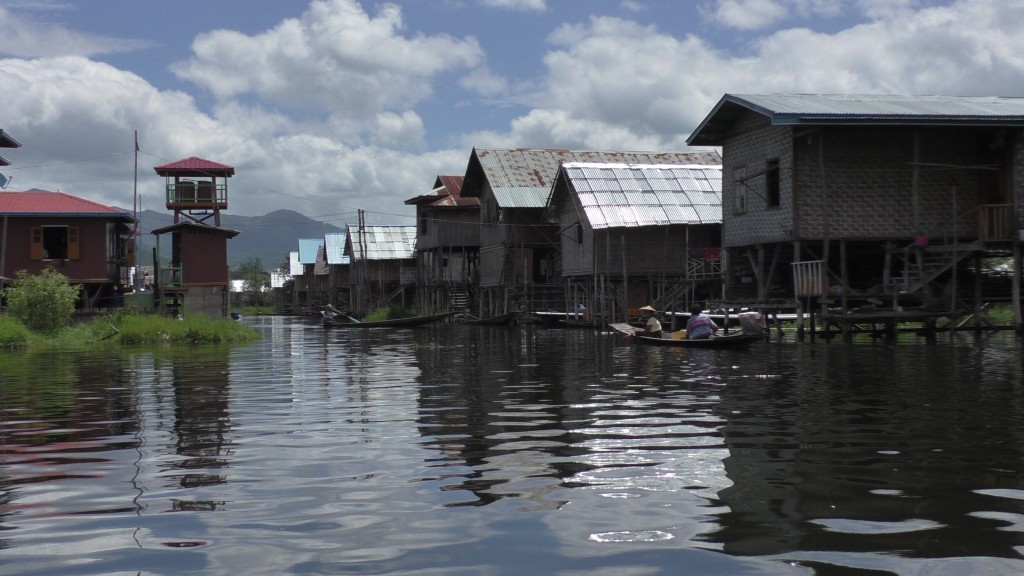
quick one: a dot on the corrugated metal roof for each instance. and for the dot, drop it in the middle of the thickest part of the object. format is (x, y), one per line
(229, 233)
(455, 202)
(522, 177)
(308, 248)
(383, 242)
(867, 109)
(294, 266)
(626, 196)
(43, 203)
(193, 165)
(335, 244)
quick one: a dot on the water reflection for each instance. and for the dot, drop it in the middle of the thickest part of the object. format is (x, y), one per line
(455, 449)
(875, 450)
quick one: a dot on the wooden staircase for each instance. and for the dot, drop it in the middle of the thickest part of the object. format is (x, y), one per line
(922, 265)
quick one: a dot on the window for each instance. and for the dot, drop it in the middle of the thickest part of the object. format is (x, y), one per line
(423, 223)
(771, 175)
(54, 243)
(739, 190)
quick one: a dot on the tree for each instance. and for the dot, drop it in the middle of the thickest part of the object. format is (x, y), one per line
(254, 278)
(43, 302)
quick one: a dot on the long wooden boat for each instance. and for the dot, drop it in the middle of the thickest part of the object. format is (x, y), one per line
(493, 320)
(344, 322)
(735, 340)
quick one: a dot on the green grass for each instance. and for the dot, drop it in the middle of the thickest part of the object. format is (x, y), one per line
(389, 313)
(129, 329)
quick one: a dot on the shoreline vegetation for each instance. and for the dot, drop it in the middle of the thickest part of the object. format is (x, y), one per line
(127, 329)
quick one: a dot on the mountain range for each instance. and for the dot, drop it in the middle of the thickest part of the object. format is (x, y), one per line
(269, 237)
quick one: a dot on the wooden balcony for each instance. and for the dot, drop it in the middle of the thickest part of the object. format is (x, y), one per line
(201, 195)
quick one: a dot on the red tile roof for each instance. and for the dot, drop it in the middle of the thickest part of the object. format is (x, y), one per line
(194, 166)
(43, 203)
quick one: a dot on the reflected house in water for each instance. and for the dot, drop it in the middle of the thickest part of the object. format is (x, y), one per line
(202, 423)
(636, 234)
(465, 412)
(89, 243)
(383, 267)
(447, 246)
(857, 199)
(197, 279)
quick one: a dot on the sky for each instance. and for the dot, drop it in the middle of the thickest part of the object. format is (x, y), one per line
(328, 107)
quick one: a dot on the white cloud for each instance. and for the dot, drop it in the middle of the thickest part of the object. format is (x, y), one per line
(485, 82)
(335, 58)
(746, 14)
(521, 5)
(633, 5)
(27, 38)
(85, 114)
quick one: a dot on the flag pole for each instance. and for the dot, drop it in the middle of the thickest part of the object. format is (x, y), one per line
(135, 216)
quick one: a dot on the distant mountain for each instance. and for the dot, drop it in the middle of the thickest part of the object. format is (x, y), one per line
(269, 237)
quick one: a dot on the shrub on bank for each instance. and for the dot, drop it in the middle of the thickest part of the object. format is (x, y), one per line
(43, 302)
(13, 334)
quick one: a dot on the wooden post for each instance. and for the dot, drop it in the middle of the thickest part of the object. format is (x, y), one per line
(1018, 323)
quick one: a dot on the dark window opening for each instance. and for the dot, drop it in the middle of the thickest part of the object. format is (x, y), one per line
(55, 242)
(772, 186)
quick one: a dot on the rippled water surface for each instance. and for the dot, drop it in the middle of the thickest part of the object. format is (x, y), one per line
(469, 450)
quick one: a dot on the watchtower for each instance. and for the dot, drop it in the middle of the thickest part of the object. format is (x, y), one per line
(196, 189)
(192, 268)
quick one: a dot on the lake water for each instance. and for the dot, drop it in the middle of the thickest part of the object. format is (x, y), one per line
(467, 450)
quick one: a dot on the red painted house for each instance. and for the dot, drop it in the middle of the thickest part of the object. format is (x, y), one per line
(88, 242)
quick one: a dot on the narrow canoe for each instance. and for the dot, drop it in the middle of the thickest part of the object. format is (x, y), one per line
(493, 320)
(735, 340)
(343, 322)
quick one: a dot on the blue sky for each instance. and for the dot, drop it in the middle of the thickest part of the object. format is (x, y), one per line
(329, 106)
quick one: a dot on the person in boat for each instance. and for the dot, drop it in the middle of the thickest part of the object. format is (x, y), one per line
(330, 312)
(700, 326)
(652, 327)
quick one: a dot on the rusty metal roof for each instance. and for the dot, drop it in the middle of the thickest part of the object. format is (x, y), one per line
(335, 246)
(634, 195)
(44, 203)
(194, 166)
(522, 177)
(444, 187)
(383, 242)
(858, 109)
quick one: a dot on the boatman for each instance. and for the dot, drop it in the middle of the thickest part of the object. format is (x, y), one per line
(651, 327)
(700, 326)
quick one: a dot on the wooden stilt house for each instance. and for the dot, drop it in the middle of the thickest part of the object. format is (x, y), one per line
(338, 266)
(520, 250)
(383, 267)
(633, 235)
(447, 246)
(854, 200)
